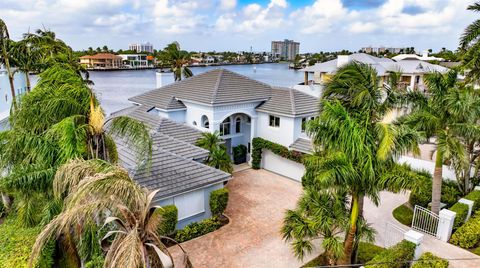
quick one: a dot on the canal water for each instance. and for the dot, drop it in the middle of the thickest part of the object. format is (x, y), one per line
(115, 87)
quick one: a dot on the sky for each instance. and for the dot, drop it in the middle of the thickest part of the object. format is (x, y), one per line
(238, 25)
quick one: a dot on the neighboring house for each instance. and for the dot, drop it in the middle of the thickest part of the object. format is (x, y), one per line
(101, 61)
(423, 57)
(135, 60)
(239, 108)
(411, 79)
(177, 168)
(6, 96)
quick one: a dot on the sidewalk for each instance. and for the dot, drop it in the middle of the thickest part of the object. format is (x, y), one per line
(379, 216)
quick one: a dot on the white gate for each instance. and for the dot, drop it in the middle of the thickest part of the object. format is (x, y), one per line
(425, 221)
(393, 234)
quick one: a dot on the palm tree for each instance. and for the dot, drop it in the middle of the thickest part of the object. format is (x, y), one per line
(27, 59)
(220, 159)
(320, 214)
(177, 60)
(470, 45)
(218, 156)
(5, 49)
(92, 187)
(357, 146)
(445, 115)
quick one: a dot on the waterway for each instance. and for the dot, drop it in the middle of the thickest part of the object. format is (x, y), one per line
(115, 87)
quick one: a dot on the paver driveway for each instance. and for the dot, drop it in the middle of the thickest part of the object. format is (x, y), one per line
(258, 200)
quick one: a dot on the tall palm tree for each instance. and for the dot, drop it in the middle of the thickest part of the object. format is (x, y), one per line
(443, 114)
(357, 148)
(90, 189)
(472, 32)
(177, 60)
(5, 50)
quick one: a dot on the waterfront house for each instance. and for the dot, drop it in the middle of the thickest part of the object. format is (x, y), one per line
(239, 108)
(20, 85)
(102, 61)
(412, 71)
(136, 60)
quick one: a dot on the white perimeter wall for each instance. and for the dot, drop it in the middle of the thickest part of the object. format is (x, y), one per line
(419, 164)
(282, 166)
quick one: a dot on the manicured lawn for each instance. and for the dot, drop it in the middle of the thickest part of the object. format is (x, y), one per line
(366, 252)
(403, 214)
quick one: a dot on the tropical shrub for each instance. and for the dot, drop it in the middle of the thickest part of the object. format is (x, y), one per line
(239, 154)
(95, 262)
(16, 243)
(258, 144)
(428, 260)
(2, 209)
(476, 251)
(403, 214)
(397, 256)
(422, 194)
(196, 229)
(462, 212)
(169, 220)
(475, 197)
(367, 251)
(218, 201)
(468, 235)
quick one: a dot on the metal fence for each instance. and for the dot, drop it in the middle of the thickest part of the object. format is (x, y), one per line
(393, 234)
(425, 221)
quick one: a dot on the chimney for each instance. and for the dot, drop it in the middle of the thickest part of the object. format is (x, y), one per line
(342, 60)
(425, 54)
(164, 79)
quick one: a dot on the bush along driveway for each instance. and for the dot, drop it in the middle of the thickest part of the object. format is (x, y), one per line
(258, 200)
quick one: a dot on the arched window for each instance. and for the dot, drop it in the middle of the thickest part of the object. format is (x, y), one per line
(225, 127)
(205, 122)
(238, 125)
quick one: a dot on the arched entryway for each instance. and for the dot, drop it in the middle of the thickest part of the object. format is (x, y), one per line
(236, 130)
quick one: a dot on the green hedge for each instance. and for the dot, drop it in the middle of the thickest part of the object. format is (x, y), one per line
(258, 144)
(218, 201)
(462, 212)
(403, 214)
(468, 235)
(169, 220)
(367, 251)
(397, 256)
(16, 244)
(422, 194)
(428, 260)
(196, 229)
(475, 197)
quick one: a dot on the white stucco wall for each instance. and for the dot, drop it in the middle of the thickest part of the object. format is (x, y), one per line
(282, 166)
(419, 164)
(177, 116)
(283, 135)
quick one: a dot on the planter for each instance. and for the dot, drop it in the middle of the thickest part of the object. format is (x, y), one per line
(239, 154)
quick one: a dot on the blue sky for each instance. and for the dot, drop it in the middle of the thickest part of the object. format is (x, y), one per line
(236, 25)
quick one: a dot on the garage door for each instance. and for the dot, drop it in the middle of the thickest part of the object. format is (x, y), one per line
(282, 166)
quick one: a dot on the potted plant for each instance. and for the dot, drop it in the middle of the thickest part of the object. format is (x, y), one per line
(239, 154)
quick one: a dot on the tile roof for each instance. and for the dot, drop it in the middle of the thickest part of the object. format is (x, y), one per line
(290, 102)
(169, 172)
(102, 56)
(302, 145)
(218, 86)
(174, 169)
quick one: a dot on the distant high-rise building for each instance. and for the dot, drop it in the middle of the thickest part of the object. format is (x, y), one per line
(147, 47)
(286, 49)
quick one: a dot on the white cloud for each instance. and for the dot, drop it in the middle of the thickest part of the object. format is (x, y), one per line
(359, 27)
(228, 4)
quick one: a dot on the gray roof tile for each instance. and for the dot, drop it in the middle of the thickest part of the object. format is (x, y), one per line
(302, 145)
(288, 101)
(218, 86)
